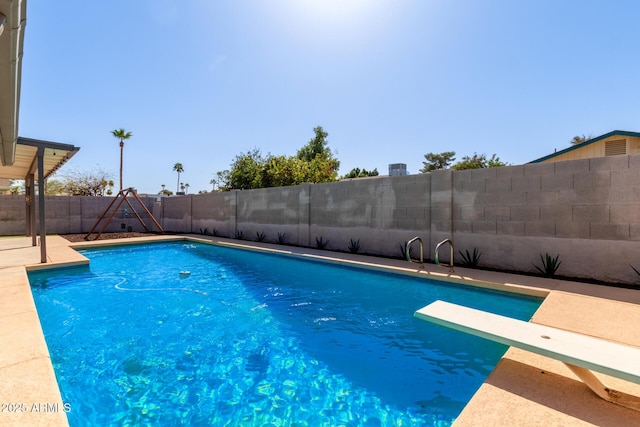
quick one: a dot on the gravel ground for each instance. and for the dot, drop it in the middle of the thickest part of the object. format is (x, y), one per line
(103, 236)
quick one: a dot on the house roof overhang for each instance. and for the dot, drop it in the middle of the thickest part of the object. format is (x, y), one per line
(13, 19)
(589, 142)
(26, 158)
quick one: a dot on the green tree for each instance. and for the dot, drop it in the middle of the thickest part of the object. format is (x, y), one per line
(314, 162)
(121, 134)
(279, 171)
(360, 173)
(245, 172)
(438, 161)
(580, 139)
(316, 146)
(110, 184)
(224, 180)
(322, 170)
(478, 161)
(219, 181)
(316, 152)
(178, 168)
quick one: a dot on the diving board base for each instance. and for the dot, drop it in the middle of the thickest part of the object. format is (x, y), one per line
(580, 353)
(610, 395)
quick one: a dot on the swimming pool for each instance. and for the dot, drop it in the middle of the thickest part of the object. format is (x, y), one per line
(256, 339)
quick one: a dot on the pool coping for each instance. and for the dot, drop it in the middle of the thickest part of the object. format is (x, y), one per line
(506, 398)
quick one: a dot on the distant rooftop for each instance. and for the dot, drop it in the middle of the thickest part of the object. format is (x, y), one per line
(587, 143)
(398, 169)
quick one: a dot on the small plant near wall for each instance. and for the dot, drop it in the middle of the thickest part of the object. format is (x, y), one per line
(320, 243)
(260, 236)
(282, 238)
(204, 232)
(239, 235)
(549, 265)
(354, 246)
(214, 233)
(470, 259)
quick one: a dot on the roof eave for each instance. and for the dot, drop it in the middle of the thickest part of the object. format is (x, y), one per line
(584, 144)
(11, 49)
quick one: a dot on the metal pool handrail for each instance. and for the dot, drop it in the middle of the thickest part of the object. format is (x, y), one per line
(407, 250)
(450, 253)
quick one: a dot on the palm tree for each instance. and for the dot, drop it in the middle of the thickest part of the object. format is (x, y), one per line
(186, 186)
(110, 184)
(580, 139)
(178, 168)
(122, 135)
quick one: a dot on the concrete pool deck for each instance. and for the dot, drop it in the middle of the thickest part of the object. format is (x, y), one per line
(523, 389)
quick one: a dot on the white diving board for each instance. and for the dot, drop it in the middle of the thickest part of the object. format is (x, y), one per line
(581, 353)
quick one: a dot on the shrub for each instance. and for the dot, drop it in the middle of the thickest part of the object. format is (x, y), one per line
(354, 246)
(470, 259)
(260, 236)
(282, 239)
(549, 265)
(239, 234)
(320, 243)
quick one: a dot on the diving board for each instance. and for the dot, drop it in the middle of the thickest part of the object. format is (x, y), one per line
(581, 353)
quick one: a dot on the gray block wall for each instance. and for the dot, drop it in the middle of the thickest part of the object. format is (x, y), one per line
(71, 215)
(587, 211)
(12, 215)
(211, 213)
(271, 211)
(381, 213)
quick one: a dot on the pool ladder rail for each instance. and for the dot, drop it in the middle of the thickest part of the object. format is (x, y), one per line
(450, 265)
(407, 251)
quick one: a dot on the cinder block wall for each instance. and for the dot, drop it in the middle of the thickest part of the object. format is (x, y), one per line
(85, 211)
(176, 214)
(586, 211)
(381, 213)
(12, 215)
(211, 213)
(273, 211)
(68, 215)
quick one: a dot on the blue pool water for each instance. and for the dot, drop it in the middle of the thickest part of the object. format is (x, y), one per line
(256, 340)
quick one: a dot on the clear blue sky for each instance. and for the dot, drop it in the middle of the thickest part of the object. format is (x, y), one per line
(200, 81)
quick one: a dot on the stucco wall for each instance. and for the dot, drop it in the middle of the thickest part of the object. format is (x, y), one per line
(587, 211)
